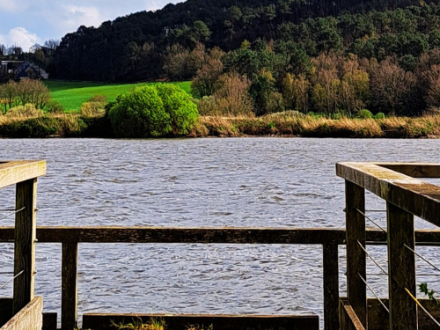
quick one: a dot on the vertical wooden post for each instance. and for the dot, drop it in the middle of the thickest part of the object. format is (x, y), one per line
(331, 286)
(401, 272)
(24, 248)
(69, 296)
(356, 260)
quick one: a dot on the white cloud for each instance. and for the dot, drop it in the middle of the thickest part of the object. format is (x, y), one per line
(21, 37)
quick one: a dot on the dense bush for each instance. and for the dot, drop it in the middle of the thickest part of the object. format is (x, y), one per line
(153, 111)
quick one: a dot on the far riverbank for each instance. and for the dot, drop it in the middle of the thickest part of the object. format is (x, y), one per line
(74, 125)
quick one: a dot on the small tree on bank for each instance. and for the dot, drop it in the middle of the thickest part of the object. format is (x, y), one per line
(153, 111)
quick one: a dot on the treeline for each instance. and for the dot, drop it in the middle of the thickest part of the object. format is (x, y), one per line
(136, 47)
(256, 80)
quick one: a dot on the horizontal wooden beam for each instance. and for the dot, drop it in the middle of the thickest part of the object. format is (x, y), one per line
(316, 236)
(184, 235)
(219, 322)
(412, 195)
(18, 171)
(348, 319)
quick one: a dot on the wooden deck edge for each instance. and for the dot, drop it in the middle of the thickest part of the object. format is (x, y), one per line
(220, 322)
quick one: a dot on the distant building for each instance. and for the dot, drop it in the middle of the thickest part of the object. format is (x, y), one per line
(28, 70)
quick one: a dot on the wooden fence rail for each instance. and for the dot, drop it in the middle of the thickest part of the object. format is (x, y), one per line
(329, 239)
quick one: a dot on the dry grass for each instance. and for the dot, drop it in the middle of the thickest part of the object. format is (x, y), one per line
(292, 124)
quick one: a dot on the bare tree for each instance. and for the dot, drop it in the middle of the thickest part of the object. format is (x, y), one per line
(390, 86)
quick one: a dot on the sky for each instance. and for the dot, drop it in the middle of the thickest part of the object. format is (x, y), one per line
(27, 22)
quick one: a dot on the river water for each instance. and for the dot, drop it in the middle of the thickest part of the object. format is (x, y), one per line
(249, 182)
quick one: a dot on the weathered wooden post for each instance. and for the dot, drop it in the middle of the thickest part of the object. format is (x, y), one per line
(331, 286)
(401, 272)
(69, 277)
(356, 259)
(25, 239)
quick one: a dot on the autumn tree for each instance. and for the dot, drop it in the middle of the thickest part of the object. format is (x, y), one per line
(391, 86)
(209, 68)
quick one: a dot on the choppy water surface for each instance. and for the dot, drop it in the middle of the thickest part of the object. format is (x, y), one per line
(252, 182)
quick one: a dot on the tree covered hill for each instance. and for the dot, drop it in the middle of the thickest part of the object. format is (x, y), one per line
(136, 47)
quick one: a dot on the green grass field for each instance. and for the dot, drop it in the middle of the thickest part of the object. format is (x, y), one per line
(72, 94)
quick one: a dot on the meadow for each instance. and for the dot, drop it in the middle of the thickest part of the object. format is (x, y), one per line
(72, 94)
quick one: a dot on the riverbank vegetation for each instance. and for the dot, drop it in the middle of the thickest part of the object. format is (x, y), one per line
(42, 125)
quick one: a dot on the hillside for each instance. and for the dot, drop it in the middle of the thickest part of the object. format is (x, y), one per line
(135, 47)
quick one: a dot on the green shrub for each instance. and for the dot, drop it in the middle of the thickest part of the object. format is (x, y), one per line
(380, 115)
(365, 114)
(54, 107)
(140, 114)
(178, 104)
(153, 111)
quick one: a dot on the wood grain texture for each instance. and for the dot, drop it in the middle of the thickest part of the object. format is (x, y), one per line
(412, 195)
(401, 269)
(356, 259)
(18, 171)
(331, 286)
(24, 247)
(219, 322)
(348, 318)
(69, 286)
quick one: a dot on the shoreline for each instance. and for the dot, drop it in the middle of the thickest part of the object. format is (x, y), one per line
(272, 126)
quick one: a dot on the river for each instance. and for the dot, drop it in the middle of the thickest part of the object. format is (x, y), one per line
(249, 182)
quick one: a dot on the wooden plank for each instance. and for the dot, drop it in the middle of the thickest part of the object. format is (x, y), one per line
(18, 171)
(401, 269)
(220, 322)
(348, 318)
(69, 286)
(24, 247)
(378, 316)
(356, 259)
(331, 286)
(185, 235)
(30, 317)
(205, 235)
(414, 196)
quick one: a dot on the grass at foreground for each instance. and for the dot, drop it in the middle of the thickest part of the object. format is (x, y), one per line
(73, 125)
(72, 94)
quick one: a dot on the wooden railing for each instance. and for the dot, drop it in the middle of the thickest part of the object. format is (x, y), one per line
(330, 239)
(405, 197)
